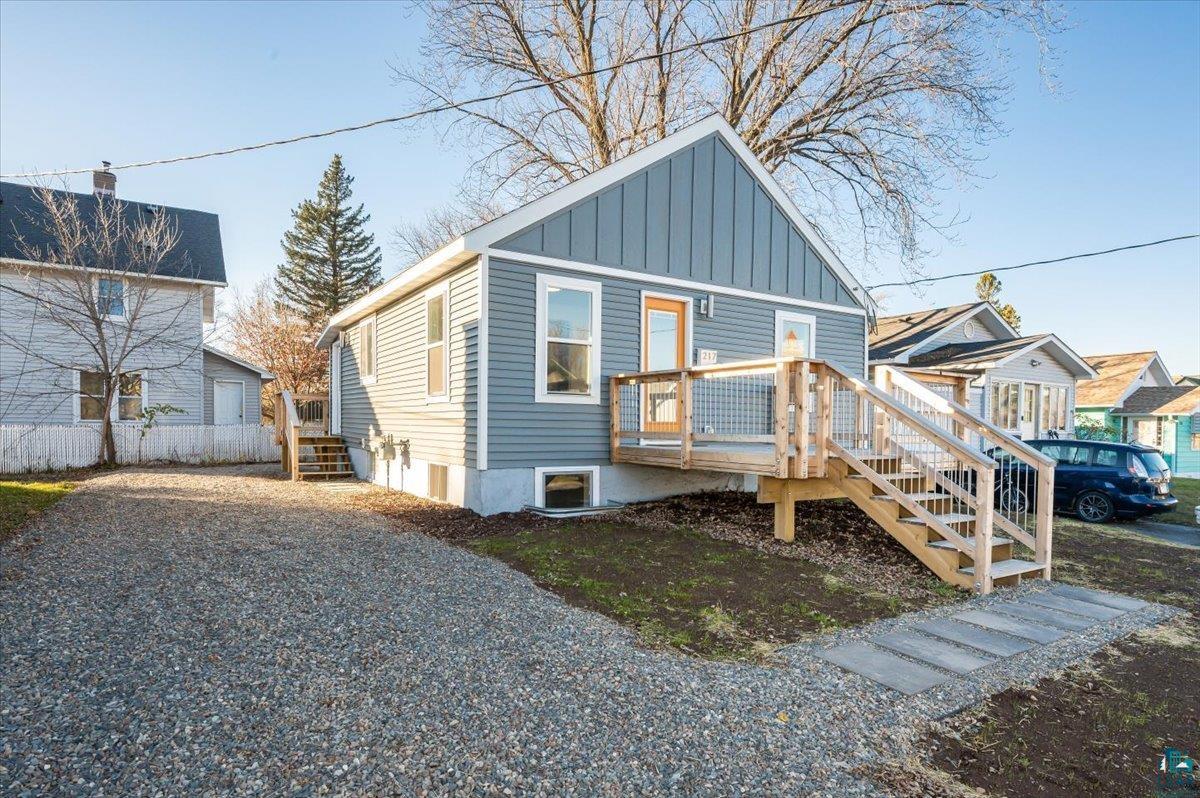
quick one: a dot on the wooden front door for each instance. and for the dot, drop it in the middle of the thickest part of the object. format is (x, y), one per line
(664, 346)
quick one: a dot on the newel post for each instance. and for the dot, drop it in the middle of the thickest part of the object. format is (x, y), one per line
(985, 480)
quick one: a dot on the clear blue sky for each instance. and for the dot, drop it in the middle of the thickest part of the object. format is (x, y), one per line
(1111, 157)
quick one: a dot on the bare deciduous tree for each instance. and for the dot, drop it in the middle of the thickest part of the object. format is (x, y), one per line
(413, 240)
(865, 104)
(270, 333)
(98, 310)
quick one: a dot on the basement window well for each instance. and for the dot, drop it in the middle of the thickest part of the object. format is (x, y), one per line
(567, 488)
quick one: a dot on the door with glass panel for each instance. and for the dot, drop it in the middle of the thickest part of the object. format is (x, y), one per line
(664, 347)
(1029, 411)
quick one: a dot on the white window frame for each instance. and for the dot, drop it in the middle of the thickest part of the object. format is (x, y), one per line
(443, 291)
(114, 412)
(124, 314)
(782, 316)
(539, 482)
(544, 283)
(335, 386)
(214, 399)
(363, 377)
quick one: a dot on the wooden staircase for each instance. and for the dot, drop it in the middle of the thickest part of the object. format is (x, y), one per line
(323, 457)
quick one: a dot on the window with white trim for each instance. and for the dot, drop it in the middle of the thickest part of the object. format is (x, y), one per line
(794, 334)
(567, 488)
(129, 402)
(439, 481)
(1004, 405)
(567, 358)
(437, 351)
(366, 351)
(110, 297)
(1054, 407)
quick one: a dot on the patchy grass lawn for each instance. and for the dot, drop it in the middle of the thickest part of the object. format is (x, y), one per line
(21, 500)
(700, 573)
(1099, 728)
(1188, 493)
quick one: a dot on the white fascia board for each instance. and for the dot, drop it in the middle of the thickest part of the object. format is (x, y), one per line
(36, 264)
(487, 235)
(432, 267)
(266, 375)
(903, 357)
(674, 282)
(1085, 371)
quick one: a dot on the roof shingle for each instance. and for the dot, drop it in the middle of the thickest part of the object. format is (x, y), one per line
(894, 334)
(1172, 400)
(1116, 373)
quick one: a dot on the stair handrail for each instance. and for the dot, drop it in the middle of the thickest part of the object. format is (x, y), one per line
(1042, 540)
(288, 433)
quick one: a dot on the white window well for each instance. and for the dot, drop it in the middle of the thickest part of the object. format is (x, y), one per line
(437, 349)
(795, 334)
(366, 351)
(567, 353)
(567, 488)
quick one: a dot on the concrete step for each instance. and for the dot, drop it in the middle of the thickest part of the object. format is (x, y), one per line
(932, 650)
(1097, 597)
(1046, 616)
(884, 667)
(969, 635)
(1085, 608)
(1016, 627)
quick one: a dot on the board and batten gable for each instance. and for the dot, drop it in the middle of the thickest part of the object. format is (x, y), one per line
(32, 391)
(523, 433)
(217, 368)
(698, 214)
(440, 432)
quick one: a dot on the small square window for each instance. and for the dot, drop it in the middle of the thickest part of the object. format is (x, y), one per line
(567, 489)
(110, 297)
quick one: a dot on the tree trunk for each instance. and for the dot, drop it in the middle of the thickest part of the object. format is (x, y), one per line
(108, 444)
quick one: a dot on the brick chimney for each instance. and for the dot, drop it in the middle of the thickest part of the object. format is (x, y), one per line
(104, 182)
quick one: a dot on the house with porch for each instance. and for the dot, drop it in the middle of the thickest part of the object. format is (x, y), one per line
(1024, 385)
(1118, 376)
(669, 323)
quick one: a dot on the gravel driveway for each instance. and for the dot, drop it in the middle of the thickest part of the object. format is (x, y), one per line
(218, 631)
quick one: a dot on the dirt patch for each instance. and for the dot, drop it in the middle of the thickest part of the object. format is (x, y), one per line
(686, 590)
(1097, 730)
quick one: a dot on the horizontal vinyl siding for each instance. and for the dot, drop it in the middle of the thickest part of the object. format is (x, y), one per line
(698, 214)
(1187, 459)
(218, 368)
(524, 433)
(440, 432)
(39, 390)
(1048, 371)
(957, 335)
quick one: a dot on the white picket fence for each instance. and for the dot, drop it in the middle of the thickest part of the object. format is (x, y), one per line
(53, 447)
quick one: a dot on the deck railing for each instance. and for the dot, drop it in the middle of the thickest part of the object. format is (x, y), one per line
(297, 415)
(785, 417)
(1024, 477)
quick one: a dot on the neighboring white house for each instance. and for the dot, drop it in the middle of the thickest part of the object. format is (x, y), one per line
(48, 374)
(1022, 384)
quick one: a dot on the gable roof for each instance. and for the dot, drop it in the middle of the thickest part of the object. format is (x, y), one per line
(978, 355)
(479, 240)
(1117, 373)
(896, 335)
(1172, 400)
(197, 256)
(263, 373)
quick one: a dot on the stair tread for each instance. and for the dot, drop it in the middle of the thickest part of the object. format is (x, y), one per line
(1006, 568)
(945, 518)
(945, 544)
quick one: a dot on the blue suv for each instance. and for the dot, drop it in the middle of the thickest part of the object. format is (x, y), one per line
(1097, 480)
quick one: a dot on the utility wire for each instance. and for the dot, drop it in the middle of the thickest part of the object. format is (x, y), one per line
(1034, 263)
(450, 106)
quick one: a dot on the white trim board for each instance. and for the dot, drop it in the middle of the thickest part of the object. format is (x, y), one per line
(481, 357)
(38, 264)
(441, 289)
(541, 310)
(803, 318)
(660, 279)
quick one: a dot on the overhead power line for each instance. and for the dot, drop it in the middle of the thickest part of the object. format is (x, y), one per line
(994, 269)
(450, 106)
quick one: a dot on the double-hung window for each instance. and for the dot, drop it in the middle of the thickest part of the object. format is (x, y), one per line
(129, 402)
(110, 297)
(366, 351)
(567, 357)
(437, 350)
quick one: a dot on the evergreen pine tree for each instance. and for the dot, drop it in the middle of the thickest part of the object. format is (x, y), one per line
(331, 260)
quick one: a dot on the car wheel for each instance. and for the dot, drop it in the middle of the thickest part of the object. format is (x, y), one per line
(1095, 507)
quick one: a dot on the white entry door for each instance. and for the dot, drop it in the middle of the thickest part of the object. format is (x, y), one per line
(1029, 411)
(228, 401)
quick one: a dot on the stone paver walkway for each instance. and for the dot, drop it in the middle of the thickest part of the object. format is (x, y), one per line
(937, 651)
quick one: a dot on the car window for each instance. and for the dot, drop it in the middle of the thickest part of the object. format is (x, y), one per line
(1110, 458)
(1154, 463)
(1066, 454)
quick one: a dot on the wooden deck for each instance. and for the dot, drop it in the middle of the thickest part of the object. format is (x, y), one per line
(911, 459)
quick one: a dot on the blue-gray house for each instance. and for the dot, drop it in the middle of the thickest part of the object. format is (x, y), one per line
(480, 375)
